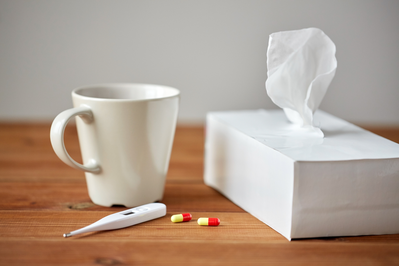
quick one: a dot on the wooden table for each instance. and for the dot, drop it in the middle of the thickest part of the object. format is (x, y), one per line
(42, 198)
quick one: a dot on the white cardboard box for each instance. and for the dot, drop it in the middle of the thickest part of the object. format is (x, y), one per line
(345, 184)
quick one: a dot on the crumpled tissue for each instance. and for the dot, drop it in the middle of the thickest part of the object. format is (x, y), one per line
(301, 65)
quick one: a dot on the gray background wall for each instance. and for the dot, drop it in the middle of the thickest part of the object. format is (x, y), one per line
(213, 51)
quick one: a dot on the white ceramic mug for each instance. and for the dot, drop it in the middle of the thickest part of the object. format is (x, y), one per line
(125, 133)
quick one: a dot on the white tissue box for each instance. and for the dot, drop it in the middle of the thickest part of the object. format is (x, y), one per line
(343, 185)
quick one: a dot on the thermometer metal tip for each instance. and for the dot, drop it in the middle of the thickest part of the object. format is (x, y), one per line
(124, 218)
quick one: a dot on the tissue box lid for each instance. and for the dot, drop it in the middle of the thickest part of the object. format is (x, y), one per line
(342, 140)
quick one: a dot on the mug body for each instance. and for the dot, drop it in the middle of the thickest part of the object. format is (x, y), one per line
(130, 137)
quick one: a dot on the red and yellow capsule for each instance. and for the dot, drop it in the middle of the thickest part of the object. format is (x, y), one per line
(178, 218)
(209, 221)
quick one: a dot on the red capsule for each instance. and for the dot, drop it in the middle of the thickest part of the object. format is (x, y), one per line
(209, 221)
(177, 218)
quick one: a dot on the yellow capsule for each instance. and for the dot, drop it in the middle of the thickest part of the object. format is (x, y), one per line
(177, 218)
(208, 221)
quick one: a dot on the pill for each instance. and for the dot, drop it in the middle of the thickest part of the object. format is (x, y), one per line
(209, 221)
(178, 218)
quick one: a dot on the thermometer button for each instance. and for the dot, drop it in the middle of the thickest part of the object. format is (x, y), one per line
(141, 209)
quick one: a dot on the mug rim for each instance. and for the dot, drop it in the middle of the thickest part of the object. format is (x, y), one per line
(75, 92)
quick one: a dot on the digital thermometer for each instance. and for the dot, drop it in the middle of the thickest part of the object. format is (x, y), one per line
(124, 218)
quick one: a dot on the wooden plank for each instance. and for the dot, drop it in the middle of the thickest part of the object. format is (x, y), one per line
(26, 154)
(65, 196)
(234, 226)
(191, 252)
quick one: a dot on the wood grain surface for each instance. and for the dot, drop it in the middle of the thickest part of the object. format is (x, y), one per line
(42, 198)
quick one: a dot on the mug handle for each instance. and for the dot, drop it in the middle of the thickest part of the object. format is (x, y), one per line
(57, 137)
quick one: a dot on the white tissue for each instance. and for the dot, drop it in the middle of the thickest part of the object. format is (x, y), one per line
(301, 65)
